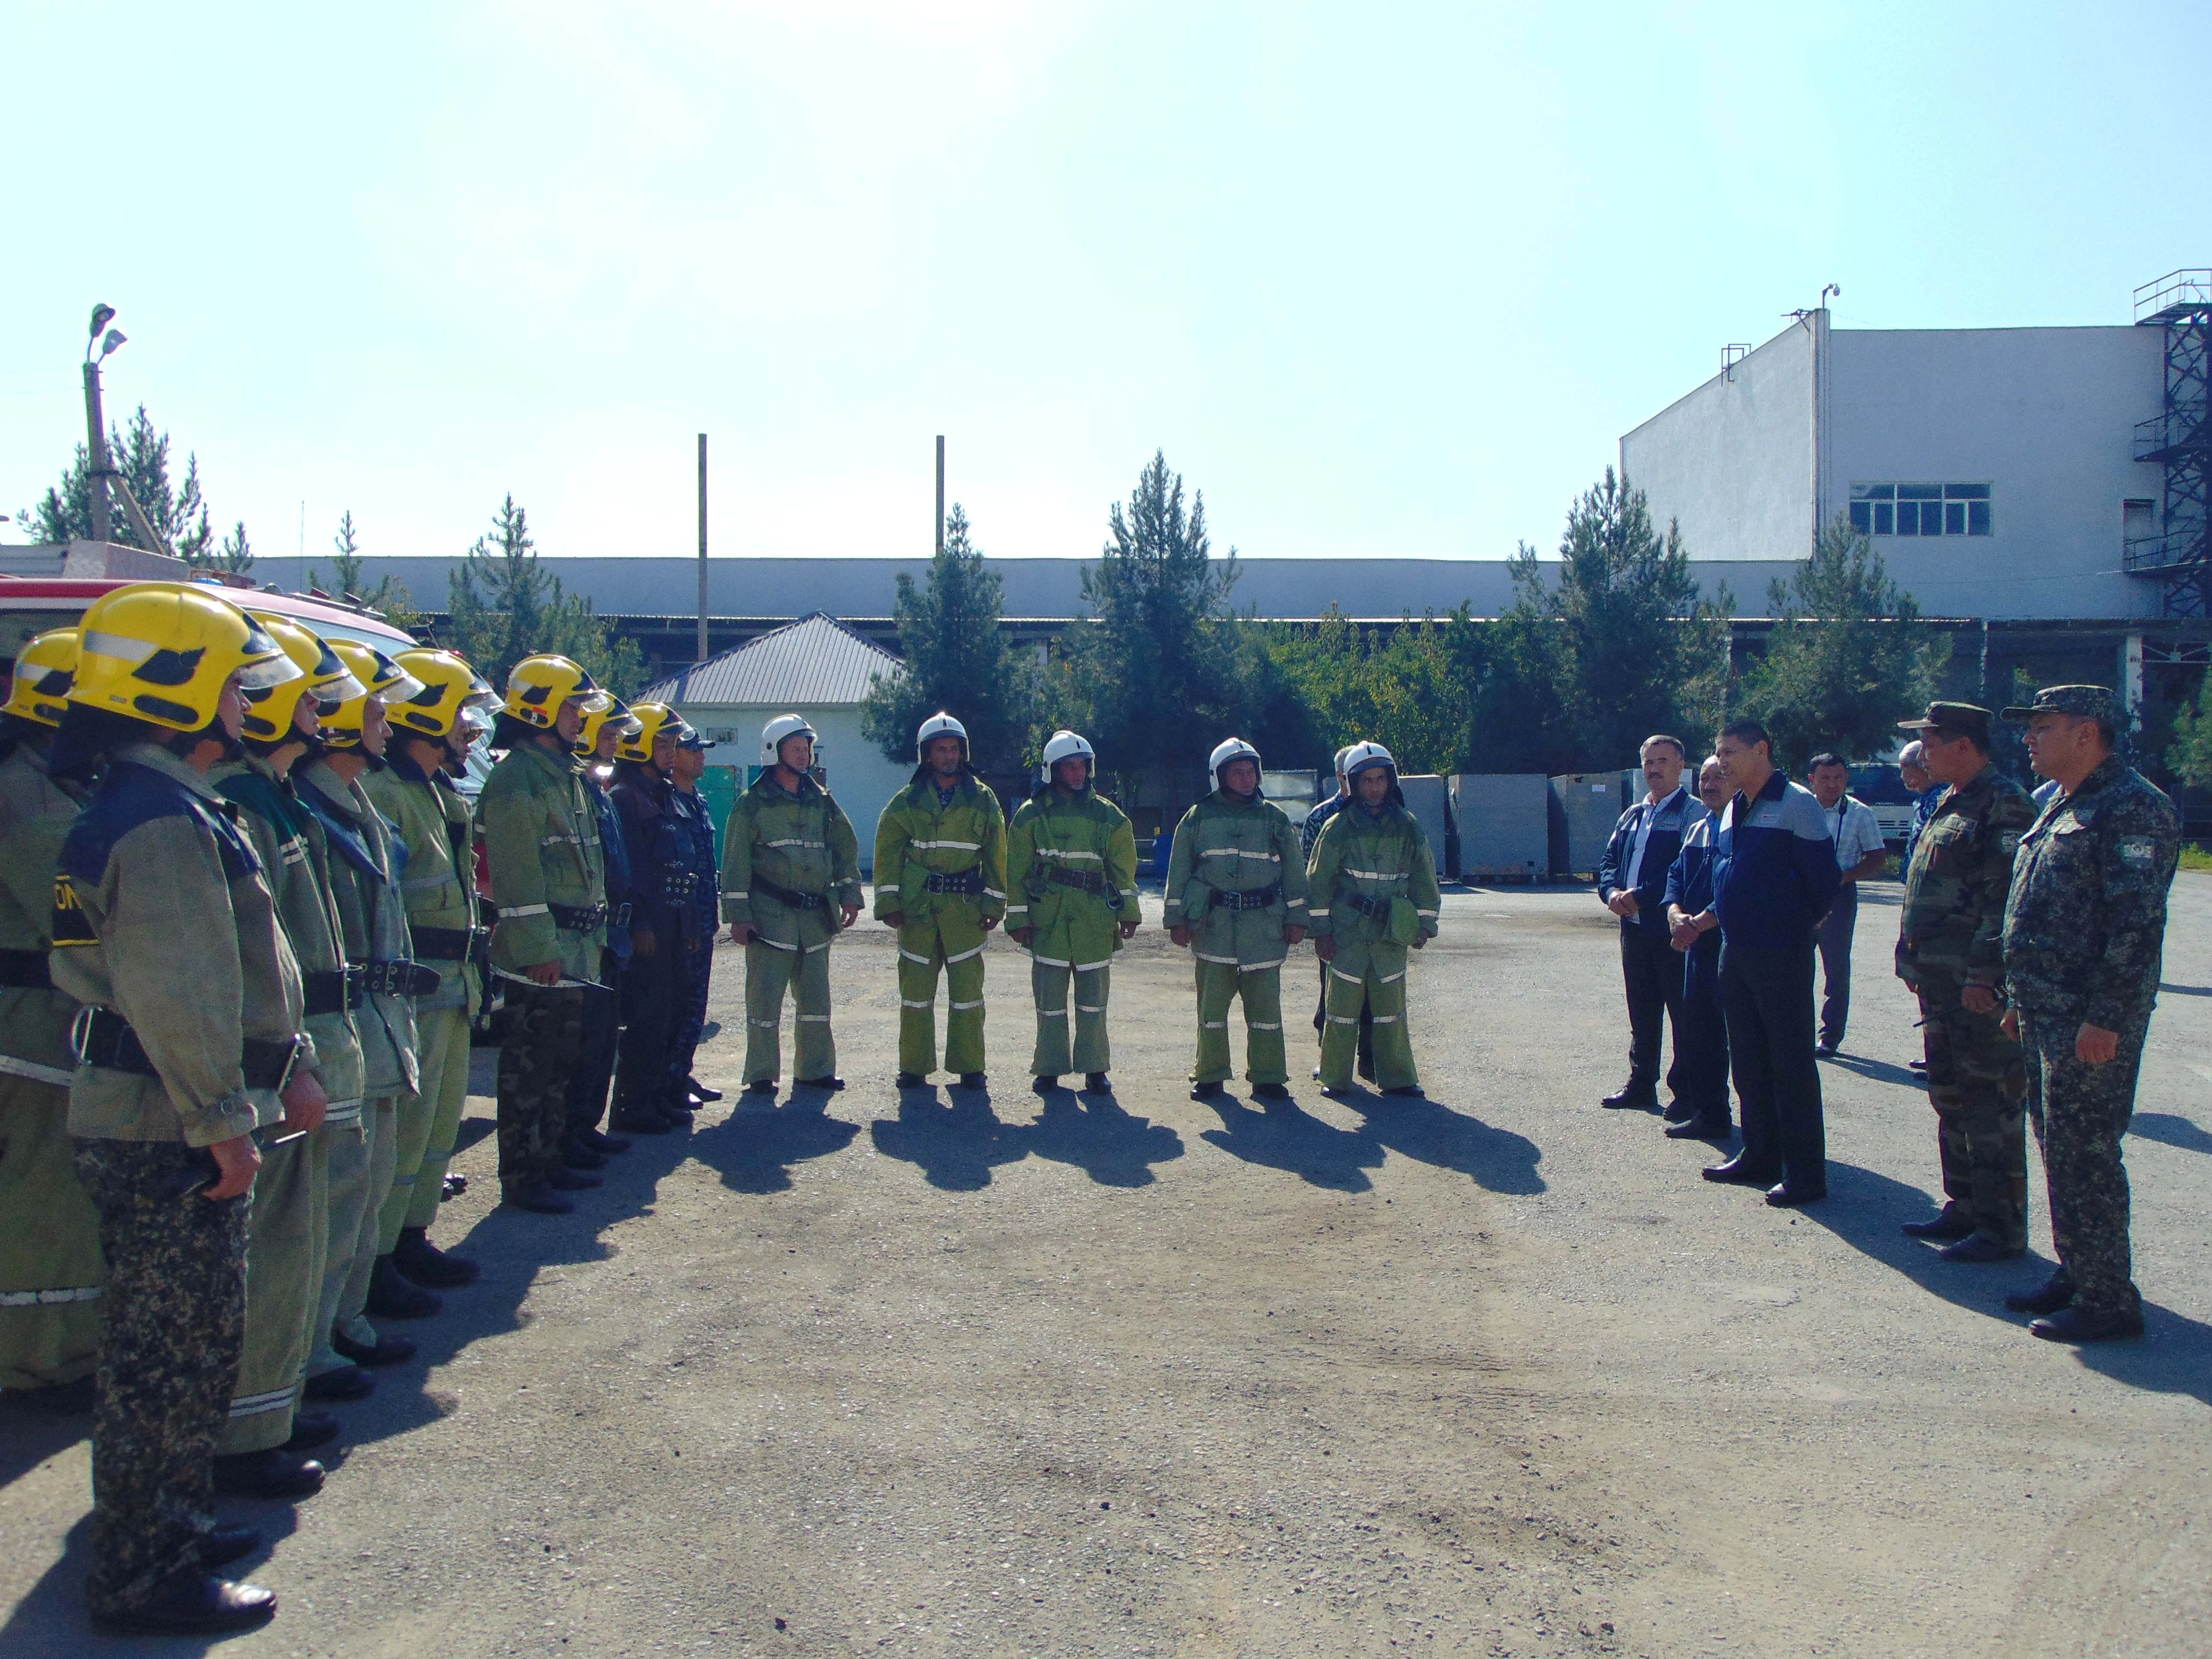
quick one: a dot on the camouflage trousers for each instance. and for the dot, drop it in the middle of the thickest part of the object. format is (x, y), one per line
(50, 1267)
(2080, 1112)
(168, 1358)
(1978, 1084)
(544, 1046)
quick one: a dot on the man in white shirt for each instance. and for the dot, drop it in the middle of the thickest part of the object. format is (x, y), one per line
(1860, 855)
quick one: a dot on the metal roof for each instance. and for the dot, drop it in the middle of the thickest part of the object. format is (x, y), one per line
(813, 662)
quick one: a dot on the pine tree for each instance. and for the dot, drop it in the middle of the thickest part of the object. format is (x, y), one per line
(142, 456)
(349, 580)
(503, 607)
(236, 554)
(957, 659)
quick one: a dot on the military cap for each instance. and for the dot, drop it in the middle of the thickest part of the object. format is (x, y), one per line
(2088, 702)
(1964, 718)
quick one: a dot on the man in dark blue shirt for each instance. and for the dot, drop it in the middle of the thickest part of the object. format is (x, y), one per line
(1701, 1037)
(1631, 882)
(1775, 876)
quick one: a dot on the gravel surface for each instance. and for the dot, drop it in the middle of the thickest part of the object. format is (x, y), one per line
(1494, 1374)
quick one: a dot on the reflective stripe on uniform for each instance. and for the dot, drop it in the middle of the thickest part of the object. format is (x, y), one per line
(1202, 956)
(1376, 875)
(525, 910)
(914, 955)
(49, 1298)
(796, 841)
(1386, 1019)
(36, 1073)
(963, 1007)
(1070, 853)
(1349, 979)
(1259, 967)
(1389, 978)
(1262, 1025)
(945, 845)
(252, 1405)
(964, 956)
(906, 1002)
(1239, 853)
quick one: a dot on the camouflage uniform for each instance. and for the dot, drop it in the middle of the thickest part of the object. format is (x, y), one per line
(162, 922)
(2084, 934)
(549, 883)
(51, 1271)
(1948, 939)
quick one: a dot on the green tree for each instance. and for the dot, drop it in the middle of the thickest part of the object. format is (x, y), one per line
(235, 554)
(141, 455)
(2190, 754)
(957, 659)
(1155, 673)
(503, 606)
(1849, 656)
(1412, 687)
(1621, 654)
(350, 581)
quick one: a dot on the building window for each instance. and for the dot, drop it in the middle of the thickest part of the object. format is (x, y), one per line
(1921, 509)
(2138, 521)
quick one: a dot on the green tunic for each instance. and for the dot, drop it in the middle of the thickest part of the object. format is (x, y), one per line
(1373, 883)
(1077, 929)
(920, 835)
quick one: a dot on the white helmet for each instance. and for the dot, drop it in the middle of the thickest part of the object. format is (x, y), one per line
(776, 731)
(1362, 755)
(940, 725)
(1228, 750)
(1067, 745)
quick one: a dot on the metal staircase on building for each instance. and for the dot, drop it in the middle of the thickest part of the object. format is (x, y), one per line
(2178, 555)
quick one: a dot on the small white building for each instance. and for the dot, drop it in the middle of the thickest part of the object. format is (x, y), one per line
(817, 668)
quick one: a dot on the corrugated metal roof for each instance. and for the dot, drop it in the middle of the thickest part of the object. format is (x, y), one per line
(811, 662)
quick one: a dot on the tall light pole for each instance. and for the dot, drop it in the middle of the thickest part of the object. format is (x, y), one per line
(703, 547)
(941, 492)
(95, 422)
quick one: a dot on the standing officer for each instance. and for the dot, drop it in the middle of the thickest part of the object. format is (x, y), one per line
(1949, 951)
(1860, 856)
(656, 988)
(260, 1453)
(1071, 861)
(1774, 877)
(1632, 883)
(549, 886)
(695, 827)
(791, 880)
(1376, 882)
(364, 866)
(2084, 934)
(1237, 897)
(190, 1039)
(1701, 1038)
(1308, 833)
(940, 880)
(50, 1268)
(607, 1005)
(431, 735)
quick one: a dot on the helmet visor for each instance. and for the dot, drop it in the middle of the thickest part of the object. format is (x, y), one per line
(399, 690)
(270, 671)
(594, 702)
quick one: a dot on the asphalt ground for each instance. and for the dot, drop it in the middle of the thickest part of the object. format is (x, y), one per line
(1493, 1374)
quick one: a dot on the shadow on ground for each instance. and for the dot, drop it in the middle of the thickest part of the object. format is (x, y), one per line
(1094, 1133)
(957, 1145)
(1865, 1210)
(2170, 1129)
(754, 1148)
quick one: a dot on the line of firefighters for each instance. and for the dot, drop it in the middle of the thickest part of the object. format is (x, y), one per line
(241, 953)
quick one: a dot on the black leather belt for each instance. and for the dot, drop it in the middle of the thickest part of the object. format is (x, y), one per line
(785, 896)
(1257, 898)
(24, 968)
(398, 978)
(445, 944)
(578, 919)
(676, 886)
(1088, 881)
(1378, 909)
(104, 1038)
(332, 990)
(960, 881)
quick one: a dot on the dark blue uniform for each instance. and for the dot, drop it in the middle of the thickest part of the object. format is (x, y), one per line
(654, 987)
(694, 827)
(1700, 1072)
(1650, 966)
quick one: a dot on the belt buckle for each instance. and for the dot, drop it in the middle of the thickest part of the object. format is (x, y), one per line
(80, 1031)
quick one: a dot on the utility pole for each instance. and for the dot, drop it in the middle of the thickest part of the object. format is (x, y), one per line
(941, 492)
(703, 547)
(95, 426)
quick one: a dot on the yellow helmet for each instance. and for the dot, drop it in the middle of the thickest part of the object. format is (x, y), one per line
(539, 685)
(656, 720)
(378, 676)
(596, 721)
(161, 652)
(449, 686)
(44, 669)
(322, 676)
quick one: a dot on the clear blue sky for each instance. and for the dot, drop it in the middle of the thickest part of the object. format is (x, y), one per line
(1379, 279)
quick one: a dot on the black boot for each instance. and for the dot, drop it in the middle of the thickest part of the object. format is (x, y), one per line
(272, 1473)
(309, 1431)
(193, 1602)
(700, 1092)
(391, 1295)
(539, 1198)
(426, 1265)
(387, 1350)
(1097, 1083)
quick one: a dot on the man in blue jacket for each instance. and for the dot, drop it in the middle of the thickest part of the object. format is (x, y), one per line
(1775, 876)
(1632, 883)
(1701, 1037)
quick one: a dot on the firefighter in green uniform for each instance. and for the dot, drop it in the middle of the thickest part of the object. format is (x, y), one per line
(262, 1451)
(940, 880)
(791, 880)
(1236, 896)
(1373, 888)
(365, 872)
(432, 732)
(50, 1268)
(1072, 899)
(1950, 951)
(548, 885)
(190, 1041)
